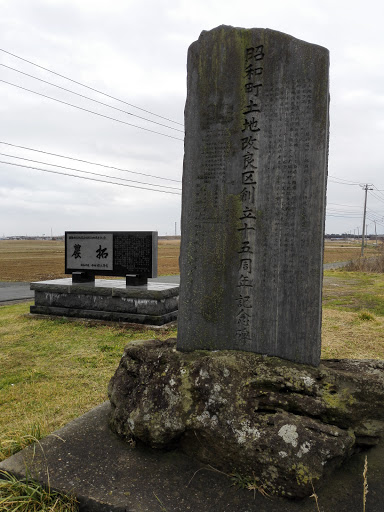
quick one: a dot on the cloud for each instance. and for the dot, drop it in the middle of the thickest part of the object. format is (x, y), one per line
(137, 52)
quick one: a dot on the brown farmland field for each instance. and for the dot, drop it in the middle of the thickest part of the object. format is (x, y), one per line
(37, 260)
(346, 251)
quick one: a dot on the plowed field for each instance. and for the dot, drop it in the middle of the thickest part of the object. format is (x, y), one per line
(38, 260)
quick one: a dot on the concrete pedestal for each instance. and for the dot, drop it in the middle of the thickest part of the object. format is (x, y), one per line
(155, 303)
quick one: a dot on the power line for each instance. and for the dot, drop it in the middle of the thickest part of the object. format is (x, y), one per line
(88, 87)
(91, 99)
(86, 178)
(88, 172)
(377, 213)
(344, 212)
(379, 191)
(378, 198)
(343, 183)
(380, 223)
(356, 214)
(347, 212)
(346, 205)
(377, 221)
(374, 214)
(88, 162)
(343, 216)
(90, 111)
(347, 182)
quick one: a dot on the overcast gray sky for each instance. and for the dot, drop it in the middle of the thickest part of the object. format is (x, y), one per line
(136, 51)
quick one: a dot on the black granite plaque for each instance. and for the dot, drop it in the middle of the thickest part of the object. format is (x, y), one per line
(111, 253)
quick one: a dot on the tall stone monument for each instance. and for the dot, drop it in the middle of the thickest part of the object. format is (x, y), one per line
(254, 185)
(251, 271)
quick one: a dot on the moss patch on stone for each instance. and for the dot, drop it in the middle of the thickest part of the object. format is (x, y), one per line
(238, 411)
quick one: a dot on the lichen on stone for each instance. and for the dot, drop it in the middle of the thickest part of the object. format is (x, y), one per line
(239, 411)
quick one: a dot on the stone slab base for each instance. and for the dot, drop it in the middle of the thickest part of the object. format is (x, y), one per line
(155, 303)
(286, 425)
(93, 321)
(106, 474)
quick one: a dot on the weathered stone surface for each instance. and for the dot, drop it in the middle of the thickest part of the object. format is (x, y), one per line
(253, 204)
(155, 303)
(87, 460)
(283, 422)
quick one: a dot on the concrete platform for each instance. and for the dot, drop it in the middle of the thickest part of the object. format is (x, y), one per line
(155, 303)
(107, 474)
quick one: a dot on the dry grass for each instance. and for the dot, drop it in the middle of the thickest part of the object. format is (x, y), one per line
(370, 264)
(38, 260)
(168, 259)
(347, 335)
(53, 371)
(344, 251)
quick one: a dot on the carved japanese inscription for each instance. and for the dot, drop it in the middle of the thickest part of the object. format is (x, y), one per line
(115, 253)
(254, 187)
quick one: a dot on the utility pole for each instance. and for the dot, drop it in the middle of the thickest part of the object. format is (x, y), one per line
(365, 187)
(375, 232)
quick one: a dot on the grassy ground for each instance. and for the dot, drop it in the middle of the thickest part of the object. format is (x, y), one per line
(353, 315)
(354, 291)
(345, 251)
(55, 370)
(27, 496)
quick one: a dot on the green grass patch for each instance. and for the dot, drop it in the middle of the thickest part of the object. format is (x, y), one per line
(54, 370)
(18, 442)
(366, 316)
(28, 496)
(354, 291)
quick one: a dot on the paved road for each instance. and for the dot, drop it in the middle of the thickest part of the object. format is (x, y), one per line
(331, 266)
(14, 292)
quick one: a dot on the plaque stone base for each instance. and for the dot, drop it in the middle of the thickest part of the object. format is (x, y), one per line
(82, 277)
(155, 303)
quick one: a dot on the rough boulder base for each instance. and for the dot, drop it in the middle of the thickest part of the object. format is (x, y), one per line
(254, 181)
(285, 423)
